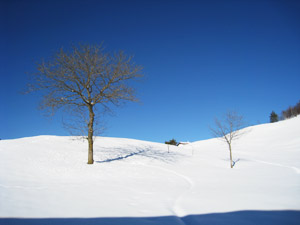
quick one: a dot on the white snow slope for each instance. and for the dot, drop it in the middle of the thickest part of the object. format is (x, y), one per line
(45, 180)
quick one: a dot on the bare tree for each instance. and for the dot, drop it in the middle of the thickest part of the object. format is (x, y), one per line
(228, 129)
(84, 79)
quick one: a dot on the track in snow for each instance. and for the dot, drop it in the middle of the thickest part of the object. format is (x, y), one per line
(176, 208)
(297, 170)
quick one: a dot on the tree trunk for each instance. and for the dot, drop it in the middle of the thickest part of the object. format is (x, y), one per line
(90, 135)
(231, 165)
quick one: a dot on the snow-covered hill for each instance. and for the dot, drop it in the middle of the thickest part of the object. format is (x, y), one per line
(44, 179)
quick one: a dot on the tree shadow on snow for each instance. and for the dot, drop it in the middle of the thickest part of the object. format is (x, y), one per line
(124, 153)
(284, 217)
(121, 157)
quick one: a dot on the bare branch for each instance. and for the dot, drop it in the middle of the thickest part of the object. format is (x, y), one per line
(229, 129)
(84, 79)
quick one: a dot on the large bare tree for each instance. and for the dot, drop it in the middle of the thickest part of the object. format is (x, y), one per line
(228, 129)
(83, 79)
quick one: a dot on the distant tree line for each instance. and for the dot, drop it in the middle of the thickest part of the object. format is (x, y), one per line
(290, 112)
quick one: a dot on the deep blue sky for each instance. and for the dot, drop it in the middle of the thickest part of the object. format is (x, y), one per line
(200, 58)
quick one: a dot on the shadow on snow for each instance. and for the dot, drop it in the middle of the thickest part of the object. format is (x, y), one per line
(285, 217)
(121, 157)
(129, 151)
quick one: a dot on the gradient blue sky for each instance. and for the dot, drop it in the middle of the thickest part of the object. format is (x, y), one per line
(200, 58)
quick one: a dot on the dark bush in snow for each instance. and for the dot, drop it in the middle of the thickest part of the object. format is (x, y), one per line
(273, 117)
(171, 142)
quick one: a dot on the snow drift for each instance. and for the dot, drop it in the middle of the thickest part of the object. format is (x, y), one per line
(45, 180)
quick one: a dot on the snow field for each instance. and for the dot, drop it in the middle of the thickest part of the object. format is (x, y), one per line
(47, 176)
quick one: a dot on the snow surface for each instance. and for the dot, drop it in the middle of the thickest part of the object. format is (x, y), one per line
(45, 180)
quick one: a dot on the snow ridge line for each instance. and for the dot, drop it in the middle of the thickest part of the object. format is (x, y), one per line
(21, 187)
(177, 209)
(297, 170)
